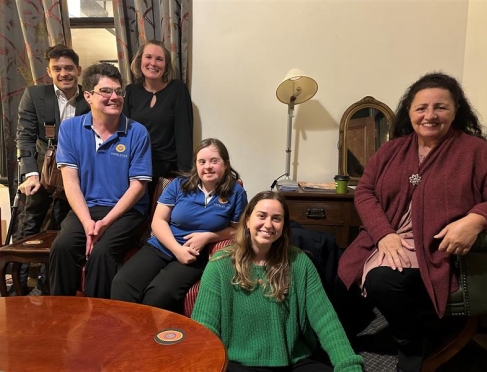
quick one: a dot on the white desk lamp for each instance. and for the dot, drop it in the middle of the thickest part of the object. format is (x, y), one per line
(295, 88)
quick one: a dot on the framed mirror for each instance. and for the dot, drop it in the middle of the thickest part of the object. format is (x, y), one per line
(364, 126)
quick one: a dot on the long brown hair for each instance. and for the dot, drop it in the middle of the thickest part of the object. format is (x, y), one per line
(224, 187)
(277, 263)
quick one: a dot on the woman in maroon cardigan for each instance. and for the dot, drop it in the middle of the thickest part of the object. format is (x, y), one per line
(422, 198)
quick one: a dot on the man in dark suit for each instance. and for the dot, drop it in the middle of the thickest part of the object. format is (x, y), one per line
(39, 105)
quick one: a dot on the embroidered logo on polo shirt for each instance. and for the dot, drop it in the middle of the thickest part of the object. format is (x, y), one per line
(120, 148)
(222, 201)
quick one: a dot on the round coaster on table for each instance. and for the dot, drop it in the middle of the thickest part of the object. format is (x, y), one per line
(169, 336)
(33, 242)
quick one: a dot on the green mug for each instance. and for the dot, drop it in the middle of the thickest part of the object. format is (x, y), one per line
(342, 182)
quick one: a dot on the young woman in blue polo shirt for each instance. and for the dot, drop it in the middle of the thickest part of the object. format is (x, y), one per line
(202, 207)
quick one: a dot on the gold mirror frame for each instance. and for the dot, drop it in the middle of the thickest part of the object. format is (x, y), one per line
(366, 102)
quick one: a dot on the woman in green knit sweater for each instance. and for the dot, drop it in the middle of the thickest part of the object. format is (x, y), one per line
(265, 300)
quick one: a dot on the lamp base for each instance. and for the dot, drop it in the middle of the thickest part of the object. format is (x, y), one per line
(287, 185)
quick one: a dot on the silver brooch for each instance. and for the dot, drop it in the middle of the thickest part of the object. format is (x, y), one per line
(415, 179)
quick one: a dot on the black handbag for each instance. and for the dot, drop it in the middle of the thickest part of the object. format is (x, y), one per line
(51, 178)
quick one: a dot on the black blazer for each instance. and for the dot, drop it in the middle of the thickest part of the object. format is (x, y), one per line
(31, 136)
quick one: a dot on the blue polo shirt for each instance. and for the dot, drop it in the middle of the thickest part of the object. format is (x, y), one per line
(191, 213)
(105, 172)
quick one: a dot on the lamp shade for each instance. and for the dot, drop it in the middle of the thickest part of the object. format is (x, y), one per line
(298, 85)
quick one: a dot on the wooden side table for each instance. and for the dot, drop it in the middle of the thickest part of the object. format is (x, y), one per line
(325, 211)
(35, 248)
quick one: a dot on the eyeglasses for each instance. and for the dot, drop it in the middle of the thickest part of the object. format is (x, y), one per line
(107, 92)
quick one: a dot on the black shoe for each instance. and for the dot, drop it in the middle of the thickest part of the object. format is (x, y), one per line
(35, 292)
(42, 286)
(409, 363)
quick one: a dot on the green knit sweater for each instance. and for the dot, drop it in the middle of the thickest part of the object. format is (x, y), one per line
(258, 331)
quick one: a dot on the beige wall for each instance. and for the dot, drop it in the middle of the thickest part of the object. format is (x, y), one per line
(242, 49)
(475, 71)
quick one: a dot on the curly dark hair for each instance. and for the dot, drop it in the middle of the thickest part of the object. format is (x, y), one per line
(168, 75)
(224, 187)
(92, 75)
(60, 50)
(465, 120)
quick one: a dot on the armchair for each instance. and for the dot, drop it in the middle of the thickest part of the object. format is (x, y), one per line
(468, 301)
(471, 269)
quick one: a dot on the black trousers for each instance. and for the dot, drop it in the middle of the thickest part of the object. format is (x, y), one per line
(354, 311)
(68, 254)
(304, 365)
(401, 297)
(35, 212)
(153, 278)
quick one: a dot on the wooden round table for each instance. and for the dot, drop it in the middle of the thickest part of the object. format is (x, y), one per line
(47, 333)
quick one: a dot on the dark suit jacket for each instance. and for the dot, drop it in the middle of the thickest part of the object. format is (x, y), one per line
(31, 136)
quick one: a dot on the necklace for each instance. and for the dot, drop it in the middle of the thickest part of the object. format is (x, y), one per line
(423, 152)
(261, 274)
(415, 178)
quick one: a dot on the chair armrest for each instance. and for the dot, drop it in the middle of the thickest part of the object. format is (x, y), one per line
(471, 272)
(215, 247)
(190, 297)
(480, 243)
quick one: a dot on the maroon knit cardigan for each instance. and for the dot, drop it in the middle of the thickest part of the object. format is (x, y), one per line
(453, 184)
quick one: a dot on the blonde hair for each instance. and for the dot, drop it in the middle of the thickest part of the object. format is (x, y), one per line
(169, 73)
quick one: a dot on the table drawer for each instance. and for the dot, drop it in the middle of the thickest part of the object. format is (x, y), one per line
(325, 211)
(316, 213)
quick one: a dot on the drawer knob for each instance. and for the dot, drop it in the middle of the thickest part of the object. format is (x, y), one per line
(316, 213)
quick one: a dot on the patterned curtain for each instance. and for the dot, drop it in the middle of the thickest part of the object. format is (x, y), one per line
(137, 21)
(28, 29)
